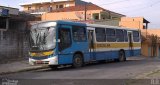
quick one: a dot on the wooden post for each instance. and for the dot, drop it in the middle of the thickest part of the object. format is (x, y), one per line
(85, 12)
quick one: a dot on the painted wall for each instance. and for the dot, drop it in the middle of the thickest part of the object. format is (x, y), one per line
(154, 31)
(74, 15)
(13, 11)
(137, 22)
(59, 16)
(47, 5)
(145, 49)
(129, 22)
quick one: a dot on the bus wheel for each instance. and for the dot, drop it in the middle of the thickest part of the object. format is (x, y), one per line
(122, 56)
(77, 60)
(53, 67)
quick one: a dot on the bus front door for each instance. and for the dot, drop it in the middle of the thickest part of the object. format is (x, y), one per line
(130, 43)
(91, 45)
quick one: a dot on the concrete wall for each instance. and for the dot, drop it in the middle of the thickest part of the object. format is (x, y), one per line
(74, 15)
(14, 45)
(46, 5)
(153, 31)
(13, 11)
(59, 16)
(128, 22)
(144, 50)
(138, 23)
(108, 22)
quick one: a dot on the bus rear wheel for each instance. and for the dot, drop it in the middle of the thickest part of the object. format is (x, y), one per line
(77, 60)
(122, 56)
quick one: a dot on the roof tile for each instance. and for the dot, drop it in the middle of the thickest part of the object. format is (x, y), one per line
(79, 8)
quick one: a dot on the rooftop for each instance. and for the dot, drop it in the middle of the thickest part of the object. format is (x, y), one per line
(89, 6)
(44, 2)
(79, 8)
(7, 7)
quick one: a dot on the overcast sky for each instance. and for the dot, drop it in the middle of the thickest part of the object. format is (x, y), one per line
(149, 9)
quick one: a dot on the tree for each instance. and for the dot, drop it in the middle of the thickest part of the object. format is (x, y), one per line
(154, 39)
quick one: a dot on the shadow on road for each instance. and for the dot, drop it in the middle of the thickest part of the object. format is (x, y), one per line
(108, 65)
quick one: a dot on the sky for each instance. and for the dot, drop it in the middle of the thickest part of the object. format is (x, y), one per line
(149, 9)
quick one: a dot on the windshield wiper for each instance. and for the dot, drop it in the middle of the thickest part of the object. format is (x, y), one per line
(37, 39)
(41, 38)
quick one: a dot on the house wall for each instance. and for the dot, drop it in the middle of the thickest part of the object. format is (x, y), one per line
(145, 49)
(108, 22)
(73, 15)
(59, 16)
(137, 22)
(47, 5)
(13, 11)
(153, 31)
(14, 44)
(131, 22)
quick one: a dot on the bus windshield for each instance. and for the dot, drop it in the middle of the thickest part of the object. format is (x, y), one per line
(42, 38)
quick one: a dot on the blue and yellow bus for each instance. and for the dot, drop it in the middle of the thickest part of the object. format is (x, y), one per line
(56, 43)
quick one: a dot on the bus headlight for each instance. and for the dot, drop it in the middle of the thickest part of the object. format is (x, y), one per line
(47, 53)
(32, 54)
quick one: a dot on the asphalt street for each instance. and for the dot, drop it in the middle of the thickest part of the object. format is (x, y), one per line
(129, 69)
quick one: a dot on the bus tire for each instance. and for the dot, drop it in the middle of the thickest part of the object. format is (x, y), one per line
(77, 61)
(53, 67)
(122, 56)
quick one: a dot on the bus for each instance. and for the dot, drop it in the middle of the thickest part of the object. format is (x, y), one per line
(55, 43)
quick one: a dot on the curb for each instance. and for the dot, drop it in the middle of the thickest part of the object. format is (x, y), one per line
(23, 70)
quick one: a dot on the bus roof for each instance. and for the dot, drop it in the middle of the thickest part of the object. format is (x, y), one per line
(108, 26)
(63, 22)
(88, 25)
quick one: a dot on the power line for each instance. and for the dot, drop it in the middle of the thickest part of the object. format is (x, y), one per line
(122, 8)
(115, 2)
(143, 8)
(138, 9)
(154, 24)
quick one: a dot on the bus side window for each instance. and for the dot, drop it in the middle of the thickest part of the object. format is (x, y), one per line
(119, 35)
(65, 39)
(111, 35)
(79, 33)
(125, 36)
(136, 36)
(100, 35)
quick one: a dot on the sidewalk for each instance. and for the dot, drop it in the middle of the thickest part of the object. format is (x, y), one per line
(142, 58)
(137, 58)
(18, 66)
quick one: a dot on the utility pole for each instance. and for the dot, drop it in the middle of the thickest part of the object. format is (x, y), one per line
(85, 12)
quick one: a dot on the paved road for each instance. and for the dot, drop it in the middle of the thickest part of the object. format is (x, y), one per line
(130, 69)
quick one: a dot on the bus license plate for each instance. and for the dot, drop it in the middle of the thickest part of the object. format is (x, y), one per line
(39, 62)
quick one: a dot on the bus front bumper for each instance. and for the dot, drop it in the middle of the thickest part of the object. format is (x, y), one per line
(48, 61)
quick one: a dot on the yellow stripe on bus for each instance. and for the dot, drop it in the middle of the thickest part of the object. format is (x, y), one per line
(115, 45)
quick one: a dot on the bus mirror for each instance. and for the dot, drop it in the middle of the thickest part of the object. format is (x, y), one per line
(59, 40)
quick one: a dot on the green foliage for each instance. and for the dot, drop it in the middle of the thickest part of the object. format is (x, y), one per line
(154, 40)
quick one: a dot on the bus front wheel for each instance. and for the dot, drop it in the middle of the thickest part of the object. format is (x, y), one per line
(122, 56)
(53, 67)
(77, 60)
